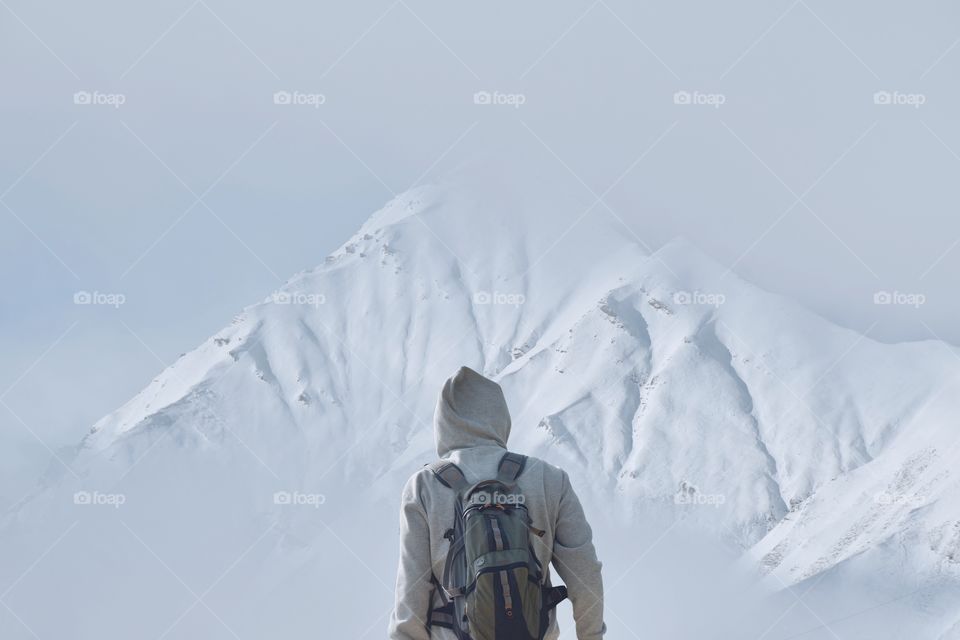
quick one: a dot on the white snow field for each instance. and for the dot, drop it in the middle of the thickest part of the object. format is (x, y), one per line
(752, 470)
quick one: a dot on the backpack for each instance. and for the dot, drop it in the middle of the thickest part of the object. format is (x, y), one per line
(492, 586)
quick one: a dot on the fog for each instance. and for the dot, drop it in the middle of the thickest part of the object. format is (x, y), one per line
(147, 156)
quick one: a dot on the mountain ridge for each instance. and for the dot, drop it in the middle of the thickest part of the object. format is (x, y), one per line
(663, 383)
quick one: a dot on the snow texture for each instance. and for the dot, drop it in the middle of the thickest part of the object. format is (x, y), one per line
(717, 433)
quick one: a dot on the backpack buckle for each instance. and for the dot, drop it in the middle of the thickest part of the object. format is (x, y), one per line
(453, 592)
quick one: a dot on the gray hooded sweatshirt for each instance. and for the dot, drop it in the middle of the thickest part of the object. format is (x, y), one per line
(471, 427)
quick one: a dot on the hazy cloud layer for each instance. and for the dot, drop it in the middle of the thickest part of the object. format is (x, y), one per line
(190, 156)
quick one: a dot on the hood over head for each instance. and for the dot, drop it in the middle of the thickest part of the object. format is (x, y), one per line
(471, 411)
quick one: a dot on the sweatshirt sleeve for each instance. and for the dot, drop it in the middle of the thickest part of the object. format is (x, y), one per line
(413, 591)
(575, 560)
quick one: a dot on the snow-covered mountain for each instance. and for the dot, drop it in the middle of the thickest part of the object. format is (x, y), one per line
(221, 500)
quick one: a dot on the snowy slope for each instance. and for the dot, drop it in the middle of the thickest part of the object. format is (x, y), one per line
(671, 390)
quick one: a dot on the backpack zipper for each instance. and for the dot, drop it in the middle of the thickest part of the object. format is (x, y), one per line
(504, 579)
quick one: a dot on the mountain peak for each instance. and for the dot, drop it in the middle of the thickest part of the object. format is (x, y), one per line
(657, 381)
(413, 201)
(682, 255)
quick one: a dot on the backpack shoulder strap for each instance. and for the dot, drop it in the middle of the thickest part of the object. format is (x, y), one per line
(449, 475)
(511, 466)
